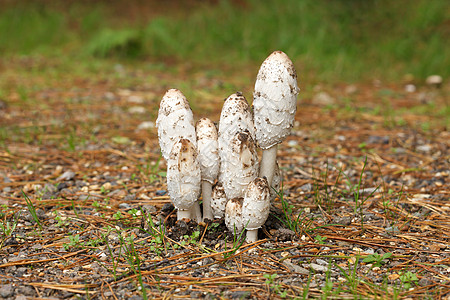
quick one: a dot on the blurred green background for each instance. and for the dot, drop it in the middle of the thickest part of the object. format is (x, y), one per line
(340, 40)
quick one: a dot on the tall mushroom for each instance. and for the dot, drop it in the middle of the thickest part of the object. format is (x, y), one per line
(175, 120)
(209, 161)
(236, 137)
(255, 207)
(274, 107)
(183, 177)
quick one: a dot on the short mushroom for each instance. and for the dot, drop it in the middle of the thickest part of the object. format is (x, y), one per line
(218, 201)
(274, 107)
(209, 160)
(175, 120)
(255, 207)
(239, 165)
(233, 216)
(183, 177)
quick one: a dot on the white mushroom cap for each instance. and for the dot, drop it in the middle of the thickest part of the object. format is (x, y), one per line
(175, 120)
(239, 165)
(207, 147)
(274, 99)
(256, 204)
(218, 201)
(236, 116)
(233, 215)
(434, 80)
(183, 174)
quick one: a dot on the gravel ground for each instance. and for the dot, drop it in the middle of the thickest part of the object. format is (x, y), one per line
(85, 213)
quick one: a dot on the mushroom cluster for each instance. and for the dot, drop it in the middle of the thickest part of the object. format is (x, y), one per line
(222, 164)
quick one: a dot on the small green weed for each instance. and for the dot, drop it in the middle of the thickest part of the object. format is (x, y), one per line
(32, 210)
(298, 224)
(7, 227)
(408, 279)
(274, 287)
(376, 259)
(320, 239)
(74, 241)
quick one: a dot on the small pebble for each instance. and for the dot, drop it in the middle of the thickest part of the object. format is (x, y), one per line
(161, 192)
(6, 290)
(124, 206)
(67, 175)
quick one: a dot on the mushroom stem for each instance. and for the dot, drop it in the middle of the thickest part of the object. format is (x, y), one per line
(268, 163)
(252, 235)
(183, 214)
(196, 212)
(206, 195)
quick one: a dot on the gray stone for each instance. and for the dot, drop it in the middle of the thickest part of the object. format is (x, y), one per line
(318, 268)
(240, 295)
(295, 268)
(67, 175)
(306, 187)
(424, 148)
(392, 229)
(322, 262)
(124, 206)
(424, 281)
(21, 297)
(149, 208)
(6, 290)
(343, 220)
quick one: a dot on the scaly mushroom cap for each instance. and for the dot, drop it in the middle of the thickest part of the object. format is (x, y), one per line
(207, 147)
(183, 174)
(218, 201)
(274, 99)
(239, 165)
(256, 204)
(236, 116)
(233, 215)
(175, 120)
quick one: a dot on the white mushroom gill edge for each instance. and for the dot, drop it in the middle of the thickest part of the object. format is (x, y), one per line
(183, 178)
(255, 207)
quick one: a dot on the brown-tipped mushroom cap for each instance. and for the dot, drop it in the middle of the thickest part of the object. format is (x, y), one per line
(183, 174)
(275, 99)
(207, 147)
(256, 204)
(236, 116)
(239, 165)
(233, 215)
(175, 120)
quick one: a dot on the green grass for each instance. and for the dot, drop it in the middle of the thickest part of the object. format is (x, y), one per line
(340, 40)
